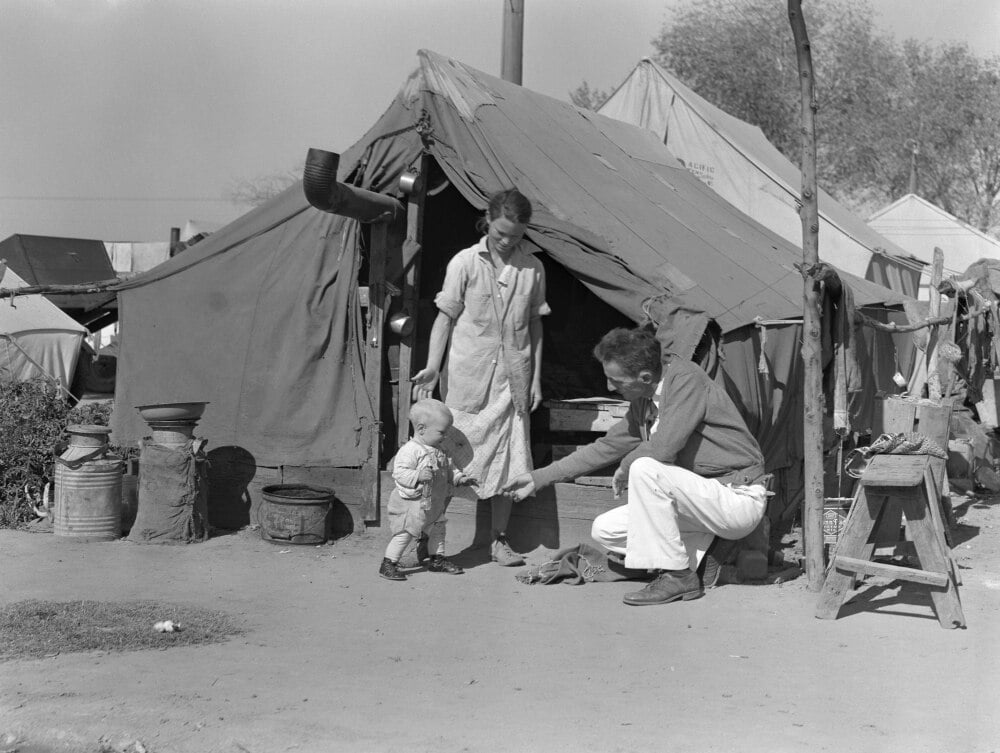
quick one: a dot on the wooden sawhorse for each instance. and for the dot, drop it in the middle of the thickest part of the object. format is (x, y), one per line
(910, 480)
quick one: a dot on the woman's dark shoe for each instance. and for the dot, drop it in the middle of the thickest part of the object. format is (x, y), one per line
(390, 570)
(668, 586)
(438, 564)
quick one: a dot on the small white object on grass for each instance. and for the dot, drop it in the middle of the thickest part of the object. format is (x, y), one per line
(167, 626)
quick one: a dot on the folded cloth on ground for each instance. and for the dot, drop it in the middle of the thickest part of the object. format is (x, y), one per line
(912, 443)
(580, 564)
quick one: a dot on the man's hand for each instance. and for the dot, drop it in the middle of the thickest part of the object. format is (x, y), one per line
(424, 382)
(619, 482)
(462, 480)
(519, 488)
(536, 396)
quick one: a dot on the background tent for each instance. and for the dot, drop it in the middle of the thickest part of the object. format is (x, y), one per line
(919, 226)
(37, 340)
(740, 164)
(46, 260)
(264, 317)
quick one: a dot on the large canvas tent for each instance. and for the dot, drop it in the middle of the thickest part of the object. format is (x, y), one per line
(919, 226)
(264, 318)
(37, 340)
(741, 165)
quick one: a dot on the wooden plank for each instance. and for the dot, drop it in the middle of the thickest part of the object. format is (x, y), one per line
(899, 415)
(572, 501)
(374, 362)
(853, 565)
(900, 471)
(854, 543)
(928, 538)
(347, 484)
(934, 422)
(411, 296)
(588, 414)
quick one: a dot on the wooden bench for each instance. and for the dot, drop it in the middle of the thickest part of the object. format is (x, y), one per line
(909, 481)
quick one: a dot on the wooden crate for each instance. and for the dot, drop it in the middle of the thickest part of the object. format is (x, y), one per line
(584, 414)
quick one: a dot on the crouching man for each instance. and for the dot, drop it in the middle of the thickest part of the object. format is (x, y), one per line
(692, 468)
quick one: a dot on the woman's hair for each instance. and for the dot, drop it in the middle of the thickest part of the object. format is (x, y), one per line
(634, 350)
(511, 204)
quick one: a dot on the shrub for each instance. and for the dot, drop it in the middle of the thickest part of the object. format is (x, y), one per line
(32, 419)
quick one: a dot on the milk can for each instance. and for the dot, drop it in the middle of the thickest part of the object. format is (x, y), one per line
(88, 487)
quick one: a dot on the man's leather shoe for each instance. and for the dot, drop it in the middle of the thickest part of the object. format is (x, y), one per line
(667, 587)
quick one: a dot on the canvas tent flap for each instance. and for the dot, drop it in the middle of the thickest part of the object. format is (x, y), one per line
(261, 321)
(620, 186)
(37, 340)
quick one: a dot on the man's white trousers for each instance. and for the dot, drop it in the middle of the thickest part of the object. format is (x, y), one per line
(673, 514)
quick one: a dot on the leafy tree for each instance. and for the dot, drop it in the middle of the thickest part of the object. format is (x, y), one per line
(587, 98)
(255, 191)
(883, 106)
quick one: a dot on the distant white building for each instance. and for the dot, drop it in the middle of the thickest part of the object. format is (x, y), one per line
(918, 226)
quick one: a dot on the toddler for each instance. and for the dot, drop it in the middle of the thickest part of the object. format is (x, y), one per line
(424, 479)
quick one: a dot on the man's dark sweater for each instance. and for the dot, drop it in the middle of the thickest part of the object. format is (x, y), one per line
(699, 429)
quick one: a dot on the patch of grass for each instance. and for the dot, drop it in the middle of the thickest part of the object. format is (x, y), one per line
(36, 628)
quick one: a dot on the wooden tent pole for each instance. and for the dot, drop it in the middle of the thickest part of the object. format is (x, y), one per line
(411, 302)
(378, 304)
(812, 514)
(934, 333)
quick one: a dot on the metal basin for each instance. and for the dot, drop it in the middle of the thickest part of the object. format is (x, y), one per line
(171, 411)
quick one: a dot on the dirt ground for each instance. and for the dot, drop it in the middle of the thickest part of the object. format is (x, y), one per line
(337, 659)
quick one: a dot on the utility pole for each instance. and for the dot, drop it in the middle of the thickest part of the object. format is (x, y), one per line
(512, 45)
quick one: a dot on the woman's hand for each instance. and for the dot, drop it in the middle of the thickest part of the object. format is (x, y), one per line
(424, 382)
(536, 396)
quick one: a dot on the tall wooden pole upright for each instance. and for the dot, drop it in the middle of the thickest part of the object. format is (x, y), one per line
(812, 399)
(512, 46)
(934, 391)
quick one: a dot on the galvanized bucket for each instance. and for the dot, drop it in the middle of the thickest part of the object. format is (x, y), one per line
(295, 513)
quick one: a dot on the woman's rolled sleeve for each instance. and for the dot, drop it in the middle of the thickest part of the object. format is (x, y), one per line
(451, 299)
(452, 307)
(539, 307)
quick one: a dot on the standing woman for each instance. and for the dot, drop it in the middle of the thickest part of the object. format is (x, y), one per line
(489, 320)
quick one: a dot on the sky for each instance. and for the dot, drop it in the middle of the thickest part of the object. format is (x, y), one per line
(124, 118)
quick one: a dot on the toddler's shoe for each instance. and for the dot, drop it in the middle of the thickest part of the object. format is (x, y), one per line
(439, 564)
(503, 555)
(390, 570)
